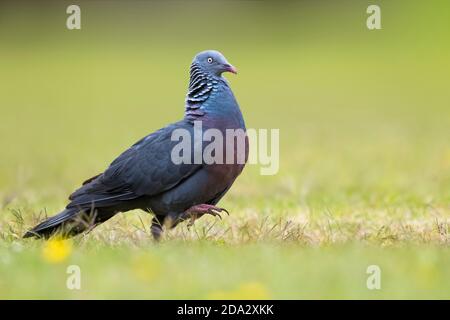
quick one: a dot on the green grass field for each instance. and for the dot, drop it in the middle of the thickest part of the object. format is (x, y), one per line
(364, 121)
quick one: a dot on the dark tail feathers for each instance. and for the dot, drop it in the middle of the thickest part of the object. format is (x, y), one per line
(68, 223)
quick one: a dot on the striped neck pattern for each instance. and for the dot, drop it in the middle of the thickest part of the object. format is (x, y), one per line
(202, 86)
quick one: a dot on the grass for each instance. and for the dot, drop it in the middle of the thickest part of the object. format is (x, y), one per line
(364, 166)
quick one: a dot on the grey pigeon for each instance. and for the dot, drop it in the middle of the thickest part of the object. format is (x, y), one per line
(145, 177)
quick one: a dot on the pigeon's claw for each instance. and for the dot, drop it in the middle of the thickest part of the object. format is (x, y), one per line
(197, 211)
(214, 213)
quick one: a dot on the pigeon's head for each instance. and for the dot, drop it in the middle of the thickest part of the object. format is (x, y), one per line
(213, 62)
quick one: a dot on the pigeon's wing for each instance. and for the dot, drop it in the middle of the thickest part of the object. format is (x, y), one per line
(145, 169)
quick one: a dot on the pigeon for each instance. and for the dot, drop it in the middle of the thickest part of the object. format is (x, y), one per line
(146, 177)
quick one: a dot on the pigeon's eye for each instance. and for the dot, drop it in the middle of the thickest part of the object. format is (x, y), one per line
(210, 60)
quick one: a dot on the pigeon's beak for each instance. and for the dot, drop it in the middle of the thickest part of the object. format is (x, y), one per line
(230, 68)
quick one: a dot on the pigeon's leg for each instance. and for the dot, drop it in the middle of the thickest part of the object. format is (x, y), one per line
(195, 212)
(156, 228)
(170, 221)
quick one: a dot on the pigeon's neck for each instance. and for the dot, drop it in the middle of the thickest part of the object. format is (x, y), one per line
(203, 87)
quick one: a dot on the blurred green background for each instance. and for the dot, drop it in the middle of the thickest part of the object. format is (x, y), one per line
(364, 119)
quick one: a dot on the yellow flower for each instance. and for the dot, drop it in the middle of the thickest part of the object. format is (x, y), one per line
(246, 291)
(56, 250)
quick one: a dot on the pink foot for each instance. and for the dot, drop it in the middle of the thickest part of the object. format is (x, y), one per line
(198, 210)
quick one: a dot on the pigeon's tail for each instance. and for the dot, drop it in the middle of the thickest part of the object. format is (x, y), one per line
(67, 223)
